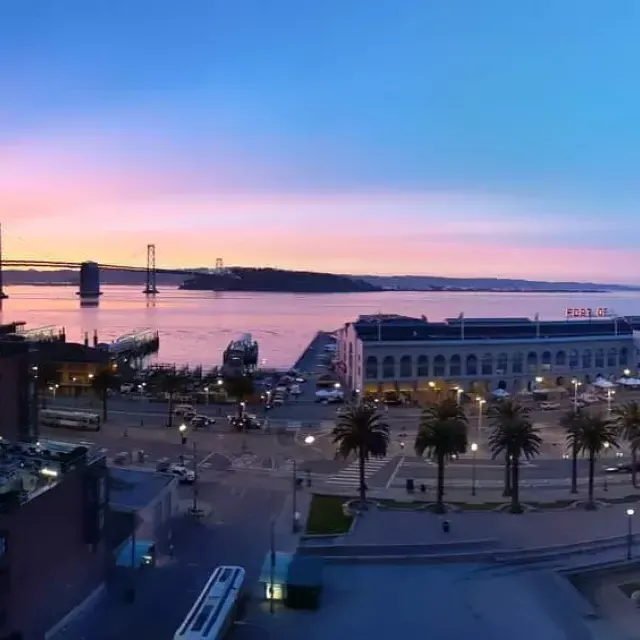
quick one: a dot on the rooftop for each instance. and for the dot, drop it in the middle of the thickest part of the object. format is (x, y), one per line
(394, 328)
(134, 489)
(438, 601)
(26, 470)
(71, 352)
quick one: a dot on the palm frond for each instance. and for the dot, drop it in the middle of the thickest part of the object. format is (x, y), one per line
(443, 430)
(360, 428)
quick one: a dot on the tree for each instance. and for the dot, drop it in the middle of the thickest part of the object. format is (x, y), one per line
(47, 375)
(239, 388)
(442, 434)
(594, 432)
(360, 429)
(103, 381)
(171, 382)
(513, 435)
(627, 420)
(571, 422)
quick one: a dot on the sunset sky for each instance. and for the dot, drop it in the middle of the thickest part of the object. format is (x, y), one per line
(443, 137)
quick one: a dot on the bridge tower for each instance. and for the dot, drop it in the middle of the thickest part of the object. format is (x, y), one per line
(3, 295)
(150, 288)
(89, 281)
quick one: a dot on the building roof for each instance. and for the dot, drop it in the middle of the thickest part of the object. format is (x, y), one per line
(402, 328)
(135, 489)
(58, 351)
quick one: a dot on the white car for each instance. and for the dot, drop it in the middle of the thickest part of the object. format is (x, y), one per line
(186, 476)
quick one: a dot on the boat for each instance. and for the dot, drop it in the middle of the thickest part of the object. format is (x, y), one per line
(241, 355)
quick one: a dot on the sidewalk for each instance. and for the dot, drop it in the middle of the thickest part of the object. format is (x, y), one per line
(285, 538)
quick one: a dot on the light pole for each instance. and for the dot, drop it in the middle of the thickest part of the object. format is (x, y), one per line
(459, 393)
(539, 380)
(206, 392)
(606, 455)
(630, 514)
(295, 516)
(194, 503)
(474, 450)
(610, 394)
(481, 402)
(627, 373)
(576, 383)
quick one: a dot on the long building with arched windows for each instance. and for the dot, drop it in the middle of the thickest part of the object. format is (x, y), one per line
(388, 352)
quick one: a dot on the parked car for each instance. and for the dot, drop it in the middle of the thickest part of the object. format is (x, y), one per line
(625, 467)
(549, 406)
(202, 422)
(185, 476)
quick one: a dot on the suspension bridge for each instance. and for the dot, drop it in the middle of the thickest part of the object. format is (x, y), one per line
(90, 271)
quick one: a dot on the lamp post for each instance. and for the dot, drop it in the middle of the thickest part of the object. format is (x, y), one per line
(630, 514)
(627, 373)
(606, 454)
(610, 394)
(539, 380)
(459, 393)
(206, 393)
(182, 429)
(474, 450)
(481, 402)
(295, 516)
(576, 383)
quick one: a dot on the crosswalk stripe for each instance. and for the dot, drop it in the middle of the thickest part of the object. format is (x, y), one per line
(350, 475)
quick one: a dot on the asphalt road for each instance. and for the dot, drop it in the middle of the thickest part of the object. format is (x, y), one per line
(236, 533)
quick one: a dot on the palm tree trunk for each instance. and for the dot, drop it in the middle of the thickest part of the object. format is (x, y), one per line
(515, 485)
(104, 405)
(363, 484)
(507, 476)
(170, 420)
(592, 468)
(574, 469)
(440, 495)
(634, 458)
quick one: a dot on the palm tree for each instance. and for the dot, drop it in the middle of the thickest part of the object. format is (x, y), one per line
(361, 429)
(627, 420)
(103, 381)
(442, 434)
(572, 424)
(513, 435)
(595, 431)
(171, 382)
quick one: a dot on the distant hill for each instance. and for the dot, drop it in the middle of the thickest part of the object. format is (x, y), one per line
(435, 283)
(277, 281)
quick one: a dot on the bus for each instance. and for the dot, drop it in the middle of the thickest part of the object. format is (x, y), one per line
(215, 610)
(68, 419)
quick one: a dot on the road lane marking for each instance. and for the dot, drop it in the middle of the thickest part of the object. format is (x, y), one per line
(395, 472)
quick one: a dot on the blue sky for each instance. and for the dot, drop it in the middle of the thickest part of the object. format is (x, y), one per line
(513, 122)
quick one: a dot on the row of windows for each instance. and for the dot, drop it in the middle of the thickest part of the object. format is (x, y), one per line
(488, 364)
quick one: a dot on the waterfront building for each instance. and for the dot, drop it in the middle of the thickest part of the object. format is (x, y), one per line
(478, 355)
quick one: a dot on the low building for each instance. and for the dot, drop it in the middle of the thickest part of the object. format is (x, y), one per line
(141, 502)
(18, 418)
(396, 353)
(53, 556)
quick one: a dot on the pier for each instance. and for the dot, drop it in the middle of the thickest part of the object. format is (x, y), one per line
(137, 344)
(49, 333)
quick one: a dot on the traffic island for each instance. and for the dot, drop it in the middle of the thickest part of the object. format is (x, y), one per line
(328, 516)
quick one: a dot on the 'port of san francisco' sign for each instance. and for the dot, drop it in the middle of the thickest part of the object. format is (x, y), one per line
(586, 312)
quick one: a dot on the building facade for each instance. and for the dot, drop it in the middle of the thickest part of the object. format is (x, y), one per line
(386, 353)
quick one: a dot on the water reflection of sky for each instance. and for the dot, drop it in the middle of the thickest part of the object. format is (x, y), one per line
(195, 328)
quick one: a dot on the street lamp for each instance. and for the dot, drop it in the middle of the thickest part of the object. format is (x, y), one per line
(206, 391)
(459, 393)
(474, 450)
(182, 429)
(576, 383)
(606, 452)
(539, 380)
(630, 514)
(610, 394)
(481, 402)
(627, 373)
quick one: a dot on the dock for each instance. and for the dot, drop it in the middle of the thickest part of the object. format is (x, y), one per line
(137, 344)
(49, 333)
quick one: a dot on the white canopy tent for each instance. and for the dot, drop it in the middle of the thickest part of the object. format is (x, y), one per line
(499, 393)
(601, 383)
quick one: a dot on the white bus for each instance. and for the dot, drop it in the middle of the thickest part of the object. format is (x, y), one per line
(214, 612)
(68, 419)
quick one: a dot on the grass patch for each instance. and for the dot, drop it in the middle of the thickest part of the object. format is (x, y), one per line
(622, 500)
(326, 516)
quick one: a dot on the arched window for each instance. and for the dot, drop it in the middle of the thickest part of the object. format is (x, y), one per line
(472, 365)
(389, 367)
(599, 358)
(371, 368)
(624, 357)
(455, 365)
(587, 358)
(546, 358)
(502, 364)
(517, 362)
(561, 358)
(487, 364)
(612, 357)
(532, 362)
(423, 366)
(574, 359)
(406, 367)
(439, 367)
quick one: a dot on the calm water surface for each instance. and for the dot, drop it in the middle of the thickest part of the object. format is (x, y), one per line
(195, 327)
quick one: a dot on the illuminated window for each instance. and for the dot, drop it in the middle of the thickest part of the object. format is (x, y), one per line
(278, 592)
